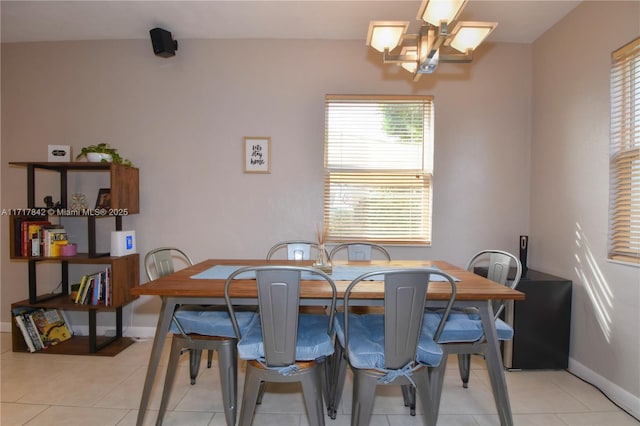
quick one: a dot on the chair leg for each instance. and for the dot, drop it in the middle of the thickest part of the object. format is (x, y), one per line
(194, 364)
(464, 363)
(312, 392)
(436, 381)
(364, 392)
(326, 371)
(172, 366)
(209, 358)
(261, 392)
(405, 395)
(409, 396)
(228, 367)
(426, 397)
(339, 367)
(250, 396)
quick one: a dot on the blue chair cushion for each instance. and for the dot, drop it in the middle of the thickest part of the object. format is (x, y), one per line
(366, 342)
(210, 322)
(463, 326)
(313, 342)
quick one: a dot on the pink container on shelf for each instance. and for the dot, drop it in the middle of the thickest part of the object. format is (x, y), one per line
(69, 250)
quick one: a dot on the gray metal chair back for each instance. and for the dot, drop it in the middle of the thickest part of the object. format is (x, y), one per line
(296, 249)
(278, 303)
(498, 264)
(160, 261)
(278, 300)
(360, 251)
(405, 296)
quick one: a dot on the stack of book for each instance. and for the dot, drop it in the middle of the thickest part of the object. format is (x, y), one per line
(40, 238)
(40, 327)
(95, 289)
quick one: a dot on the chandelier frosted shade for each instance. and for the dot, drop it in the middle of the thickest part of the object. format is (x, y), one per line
(437, 11)
(468, 35)
(386, 34)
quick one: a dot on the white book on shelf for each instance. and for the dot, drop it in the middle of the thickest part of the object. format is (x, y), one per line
(33, 331)
(25, 333)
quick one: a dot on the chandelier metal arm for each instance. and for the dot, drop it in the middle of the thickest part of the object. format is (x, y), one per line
(408, 40)
(388, 58)
(457, 57)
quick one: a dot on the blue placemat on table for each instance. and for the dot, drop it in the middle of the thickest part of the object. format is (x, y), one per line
(339, 273)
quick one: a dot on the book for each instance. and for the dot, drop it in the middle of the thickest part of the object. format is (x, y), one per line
(33, 237)
(95, 289)
(25, 333)
(29, 228)
(33, 331)
(23, 312)
(51, 326)
(83, 283)
(108, 291)
(84, 297)
(97, 285)
(24, 238)
(52, 233)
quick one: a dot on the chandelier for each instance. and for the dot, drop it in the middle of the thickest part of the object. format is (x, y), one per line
(420, 53)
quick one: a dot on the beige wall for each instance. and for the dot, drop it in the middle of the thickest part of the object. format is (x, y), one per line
(181, 121)
(570, 190)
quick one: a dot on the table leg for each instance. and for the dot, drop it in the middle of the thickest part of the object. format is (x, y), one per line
(166, 313)
(494, 365)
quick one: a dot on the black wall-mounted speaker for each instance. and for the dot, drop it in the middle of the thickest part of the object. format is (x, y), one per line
(524, 248)
(163, 44)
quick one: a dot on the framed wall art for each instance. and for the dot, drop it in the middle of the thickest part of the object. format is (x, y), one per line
(257, 154)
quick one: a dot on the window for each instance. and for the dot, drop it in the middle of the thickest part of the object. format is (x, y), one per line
(624, 208)
(378, 168)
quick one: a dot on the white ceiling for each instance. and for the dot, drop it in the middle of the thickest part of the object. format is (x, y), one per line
(520, 21)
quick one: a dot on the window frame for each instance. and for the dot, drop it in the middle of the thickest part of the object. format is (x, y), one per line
(412, 184)
(624, 193)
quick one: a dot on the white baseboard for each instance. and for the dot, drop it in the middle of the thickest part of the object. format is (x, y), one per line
(626, 400)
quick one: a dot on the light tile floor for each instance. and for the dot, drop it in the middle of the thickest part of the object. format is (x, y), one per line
(51, 390)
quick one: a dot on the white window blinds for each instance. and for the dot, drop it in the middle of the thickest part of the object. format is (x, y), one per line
(624, 208)
(378, 168)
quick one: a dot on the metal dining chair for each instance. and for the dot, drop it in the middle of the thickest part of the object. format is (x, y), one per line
(282, 344)
(392, 348)
(296, 249)
(196, 329)
(360, 251)
(498, 264)
(463, 332)
(160, 262)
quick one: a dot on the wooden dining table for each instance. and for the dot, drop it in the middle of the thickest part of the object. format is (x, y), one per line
(192, 286)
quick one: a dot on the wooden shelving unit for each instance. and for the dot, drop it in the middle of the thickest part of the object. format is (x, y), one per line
(124, 181)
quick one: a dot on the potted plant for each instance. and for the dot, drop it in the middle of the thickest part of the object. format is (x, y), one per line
(102, 153)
